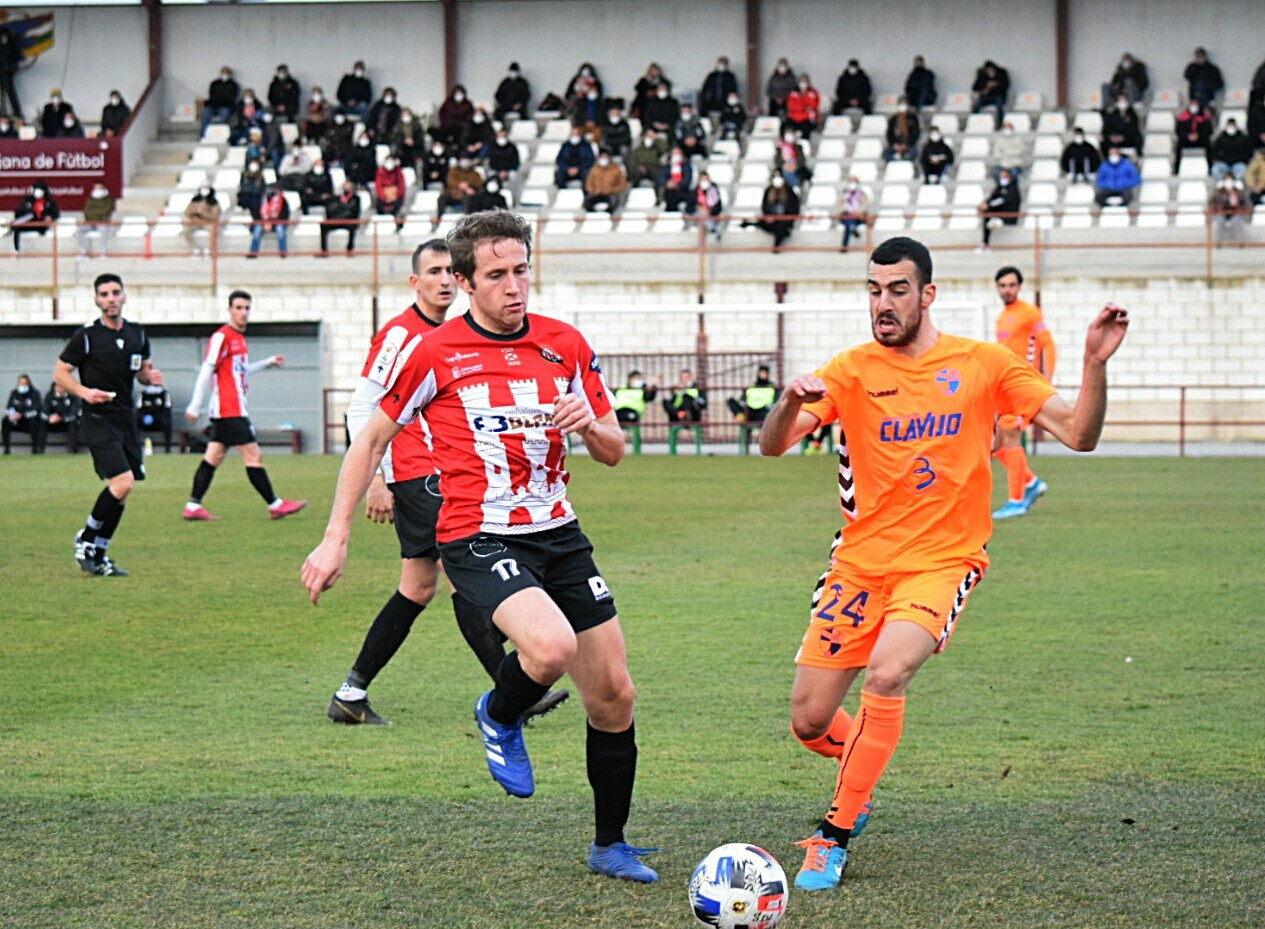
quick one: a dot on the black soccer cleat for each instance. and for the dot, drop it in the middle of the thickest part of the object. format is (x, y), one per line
(354, 713)
(546, 704)
(85, 553)
(104, 567)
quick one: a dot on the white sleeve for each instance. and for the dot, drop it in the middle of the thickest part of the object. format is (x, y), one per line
(256, 366)
(203, 384)
(363, 402)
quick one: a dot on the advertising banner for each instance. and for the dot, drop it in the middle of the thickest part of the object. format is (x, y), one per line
(68, 166)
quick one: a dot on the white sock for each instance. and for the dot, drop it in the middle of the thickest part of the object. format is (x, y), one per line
(275, 503)
(347, 692)
(191, 506)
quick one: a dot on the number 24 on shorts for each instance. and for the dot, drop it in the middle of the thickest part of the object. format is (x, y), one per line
(854, 609)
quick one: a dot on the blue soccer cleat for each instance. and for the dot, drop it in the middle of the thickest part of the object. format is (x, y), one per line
(862, 820)
(1011, 509)
(1035, 490)
(507, 755)
(621, 860)
(823, 865)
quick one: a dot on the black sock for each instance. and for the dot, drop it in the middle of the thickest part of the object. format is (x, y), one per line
(259, 480)
(480, 634)
(612, 764)
(389, 630)
(104, 519)
(514, 692)
(201, 481)
(830, 831)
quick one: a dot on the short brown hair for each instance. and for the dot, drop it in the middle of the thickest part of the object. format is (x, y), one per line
(474, 228)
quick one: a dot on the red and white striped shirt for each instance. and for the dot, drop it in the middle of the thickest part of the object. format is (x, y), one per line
(489, 402)
(226, 369)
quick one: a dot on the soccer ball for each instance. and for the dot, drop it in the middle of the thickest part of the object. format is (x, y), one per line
(738, 886)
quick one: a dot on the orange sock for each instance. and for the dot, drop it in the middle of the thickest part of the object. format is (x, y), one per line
(831, 744)
(871, 744)
(1015, 461)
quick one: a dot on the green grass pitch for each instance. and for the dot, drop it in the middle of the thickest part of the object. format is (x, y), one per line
(165, 759)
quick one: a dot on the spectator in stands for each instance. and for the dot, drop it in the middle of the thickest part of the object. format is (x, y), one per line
(434, 166)
(461, 182)
(293, 170)
(114, 115)
(389, 189)
(803, 107)
(1203, 78)
(1129, 80)
(23, 415)
(1230, 206)
(455, 113)
(98, 214)
(779, 86)
(1001, 207)
(780, 201)
(717, 87)
(60, 413)
(733, 119)
(315, 117)
(1080, 160)
(248, 115)
(1116, 181)
(705, 204)
(585, 109)
(661, 111)
(201, 217)
(1194, 129)
(257, 148)
(677, 181)
(1007, 152)
(153, 411)
(573, 162)
(337, 143)
(250, 189)
(853, 210)
(512, 95)
(37, 211)
(616, 133)
(272, 216)
(342, 213)
(685, 402)
(1256, 94)
(690, 134)
(936, 158)
(584, 80)
(408, 140)
(362, 162)
(1120, 127)
(283, 95)
(645, 162)
(10, 61)
(221, 99)
(1255, 177)
(383, 116)
(647, 88)
(757, 398)
(489, 198)
(355, 91)
(1230, 152)
(605, 185)
(503, 158)
(790, 159)
(853, 90)
(71, 128)
(274, 141)
(476, 140)
(902, 133)
(54, 113)
(991, 88)
(631, 399)
(317, 188)
(920, 85)
(8, 129)
(1256, 120)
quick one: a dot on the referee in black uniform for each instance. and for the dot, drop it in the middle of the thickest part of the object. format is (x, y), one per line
(109, 353)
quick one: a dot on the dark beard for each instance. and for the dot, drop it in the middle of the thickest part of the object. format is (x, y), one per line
(899, 339)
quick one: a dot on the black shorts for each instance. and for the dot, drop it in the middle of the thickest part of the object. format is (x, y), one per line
(232, 431)
(486, 569)
(417, 504)
(115, 446)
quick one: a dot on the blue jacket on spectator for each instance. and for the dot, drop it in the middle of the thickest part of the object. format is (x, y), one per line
(1118, 177)
(574, 155)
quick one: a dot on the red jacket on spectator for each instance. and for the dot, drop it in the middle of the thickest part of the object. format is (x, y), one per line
(388, 186)
(1195, 123)
(803, 105)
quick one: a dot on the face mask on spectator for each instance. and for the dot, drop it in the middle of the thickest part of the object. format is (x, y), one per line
(603, 161)
(339, 119)
(254, 166)
(1231, 129)
(267, 117)
(318, 170)
(317, 97)
(359, 72)
(204, 192)
(480, 118)
(493, 187)
(705, 184)
(1122, 105)
(592, 94)
(437, 149)
(38, 192)
(56, 99)
(1114, 158)
(465, 164)
(514, 73)
(69, 122)
(854, 185)
(803, 86)
(732, 101)
(779, 182)
(852, 69)
(662, 93)
(781, 67)
(935, 137)
(388, 98)
(1079, 139)
(99, 193)
(24, 388)
(281, 75)
(406, 117)
(226, 75)
(586, 72)
(248, 98)
(115, 100)
(902, 108)
(363, 141)
(502, 140)
(1004, 180)
(1193, 108)
(788, 137)
(613, 118)
(459, 96)
(389, 164)
(647, 142)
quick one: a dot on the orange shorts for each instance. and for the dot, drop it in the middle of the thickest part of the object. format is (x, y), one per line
(1011, 421)
(850, 610)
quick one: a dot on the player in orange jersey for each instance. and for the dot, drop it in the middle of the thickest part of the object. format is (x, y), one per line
(916, 409)
(1021, 328)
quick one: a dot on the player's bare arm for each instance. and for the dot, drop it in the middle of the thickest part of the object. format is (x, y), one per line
(325, 564)
(1079, 427)
(64, 377)
(787, 423)
(379, 503)
(602, 436)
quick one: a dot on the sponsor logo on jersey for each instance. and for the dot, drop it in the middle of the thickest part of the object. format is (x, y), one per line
(595, 365)
(458, 371)
(948, 380)
(514, 422)
(460, 357)
(926, 609)
(926, 426)
(483, 547)
(550, 355)
(883, 393)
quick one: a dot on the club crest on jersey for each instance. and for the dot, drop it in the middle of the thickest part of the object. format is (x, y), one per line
(550, 355)
(948, 380)
(511, 357)
(118, 342)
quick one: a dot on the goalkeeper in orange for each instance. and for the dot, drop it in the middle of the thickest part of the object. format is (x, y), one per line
(916, 408)
(1021, 328)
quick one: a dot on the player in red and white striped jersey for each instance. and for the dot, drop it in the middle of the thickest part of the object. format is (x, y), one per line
(226, 369)
(501, 390)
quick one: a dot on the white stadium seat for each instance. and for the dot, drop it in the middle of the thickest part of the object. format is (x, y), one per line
(1194, 164)
(1156, 168)
(523, 130)
(1052, 121)
(765, 127)
(1045, 169)
(1090, 121)
(836, 126)
(828, 172)
(867, 149)
(1043, 194)
(569, 198)
(1164, 121)
(872, 125)
(980, 124)
(971, 170)
(932, 195)
(832, 149)
(556, 130)
(640, 199)
(1047, 146)
(974, 147)
(898, 171)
